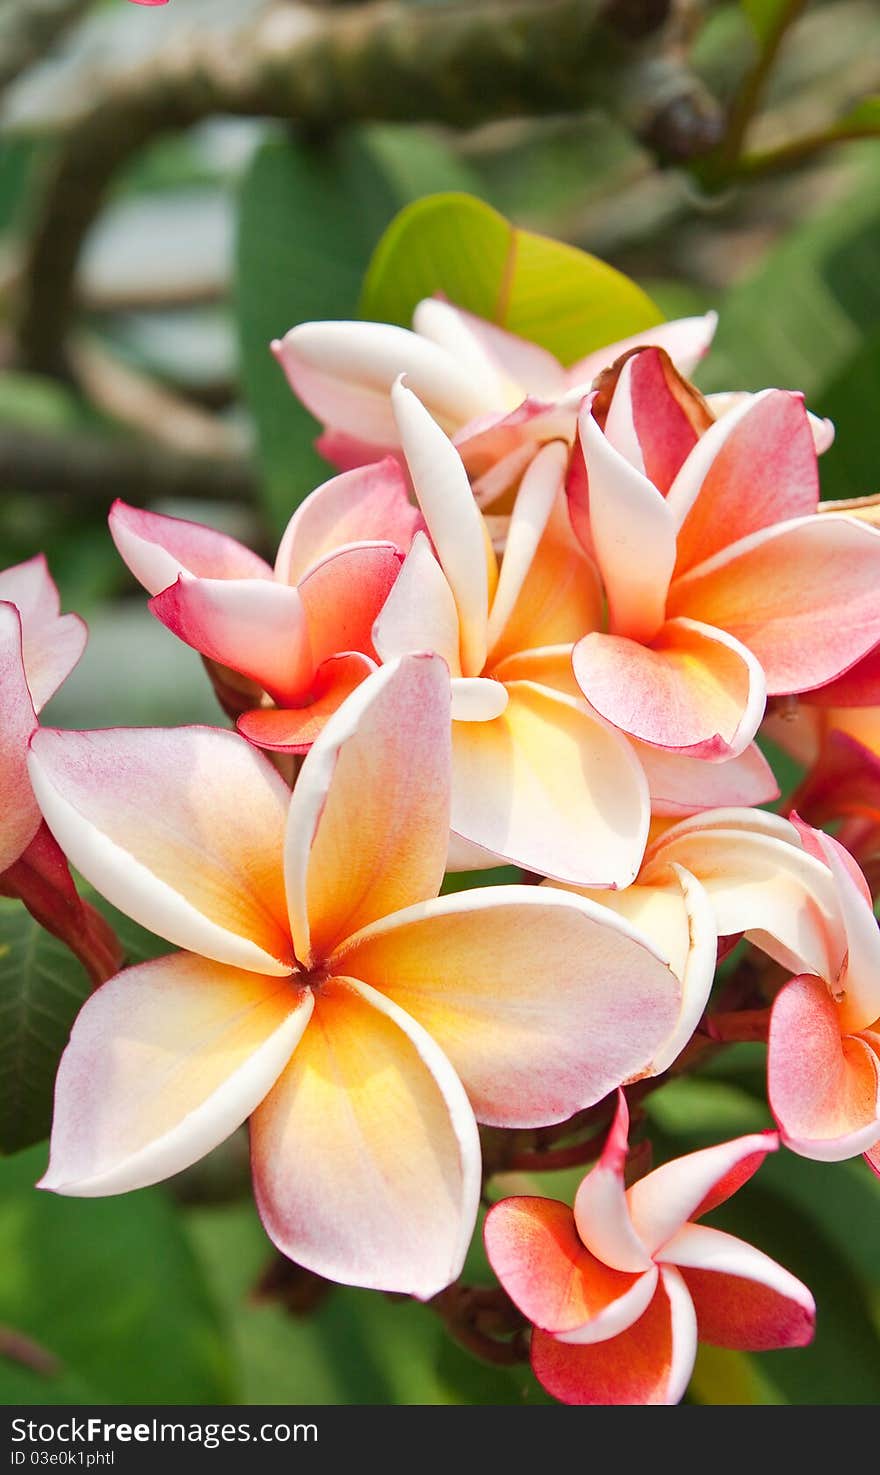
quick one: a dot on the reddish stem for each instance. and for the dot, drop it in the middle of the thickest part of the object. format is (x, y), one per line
(41, 879)
(739, 1026)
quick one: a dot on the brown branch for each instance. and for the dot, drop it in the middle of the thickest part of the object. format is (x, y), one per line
(485, 1321)
(748, 98)
(91, 470)
(29, 28)
(16, 1347)
(458, 64)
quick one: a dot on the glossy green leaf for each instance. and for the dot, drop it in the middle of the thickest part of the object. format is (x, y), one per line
(801, 318)
(110, 1292)
(543, 290)
(310, 214)
(356, 1347)
(42, 987)
(722, 1378)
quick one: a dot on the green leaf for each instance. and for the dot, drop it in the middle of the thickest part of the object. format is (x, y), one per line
(863, 118)
(357, 1347)
(722, 1378)
(42, 987)
(852, 467)
(109, 1288)
(543, 290)
(310, 215)
(799, 321)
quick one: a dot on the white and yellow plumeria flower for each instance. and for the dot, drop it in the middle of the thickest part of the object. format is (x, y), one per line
(326, 992)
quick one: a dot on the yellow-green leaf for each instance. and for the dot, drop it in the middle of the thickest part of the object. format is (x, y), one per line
(553, 294)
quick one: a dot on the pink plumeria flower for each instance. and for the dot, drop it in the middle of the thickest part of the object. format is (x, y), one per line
(284, 646)
(842, 786)
(326, 992)
(621, 1290)
(537, 779)
(800, 897)
(39, 648)
(498, 396)
(722, 583)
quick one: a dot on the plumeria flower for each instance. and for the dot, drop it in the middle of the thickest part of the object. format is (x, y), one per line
(284, 646)
(621, 1290)
(325, 991)
(538, 778)
(39, 648)
(498, 396)
(842, 786)
(722, 583)
(799, 896)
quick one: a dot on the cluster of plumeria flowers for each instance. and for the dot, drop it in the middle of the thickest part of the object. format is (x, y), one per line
(534, 620)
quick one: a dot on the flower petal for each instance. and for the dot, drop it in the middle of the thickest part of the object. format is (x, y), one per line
(857, 689)
(366, 1156)
(686, 340)
(368, 823)
(158, 549)
(742, 1298)
(419, 613)
(723, 401)
(19, 811)
(294, 729)
(181, 828)
(601, 1210)
(453, 518)
(860, 1006)
(802, 596)
(253, 626)
(473, 968)
(693, 690)
(548, 590)
(689, 1186)
(537, 496)
(534, 1249)
(518, 366)
(824, 1088)
(343, 595)
(548, 786)
(649, 1363)
(761, 884)
(696, 970)
(754, 468)
(654, 417)
(367, 505)
(51, 643)
(164, 1062)
(681, 785)
(632, 533)
(477, 699)
(343, 373)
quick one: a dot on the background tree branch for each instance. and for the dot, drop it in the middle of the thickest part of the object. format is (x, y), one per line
(457, 64)
(29, 27)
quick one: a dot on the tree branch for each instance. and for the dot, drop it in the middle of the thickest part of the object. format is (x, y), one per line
(459, 64)
(92, 470)
(29, 28)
